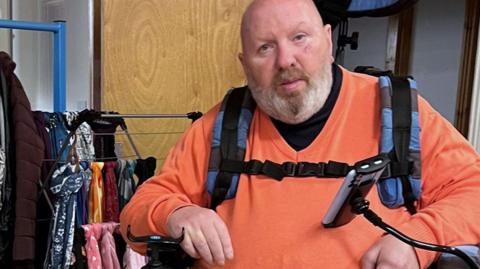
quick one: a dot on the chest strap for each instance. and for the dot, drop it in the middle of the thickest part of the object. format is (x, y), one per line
(331, 169)
(287, 169)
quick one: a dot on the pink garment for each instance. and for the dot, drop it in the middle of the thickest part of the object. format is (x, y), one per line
(133, 260)
(93, 233)
(107, 246)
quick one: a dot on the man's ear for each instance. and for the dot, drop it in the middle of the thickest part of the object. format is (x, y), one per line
(242, 61)
(240, 57)
(328, 30)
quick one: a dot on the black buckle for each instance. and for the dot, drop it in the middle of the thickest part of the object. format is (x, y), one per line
(290, 168)
(273, 170)
(336, 169)
(306, 169)
(303, 169)
(253, 167)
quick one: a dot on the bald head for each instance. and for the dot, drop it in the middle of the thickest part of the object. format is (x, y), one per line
(260, 11)
(286, 56)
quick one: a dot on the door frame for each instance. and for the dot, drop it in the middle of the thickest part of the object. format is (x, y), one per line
(466, 112)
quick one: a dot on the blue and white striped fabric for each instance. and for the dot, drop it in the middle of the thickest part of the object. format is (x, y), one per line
(366, 5)
(215, 155)
(390, 189)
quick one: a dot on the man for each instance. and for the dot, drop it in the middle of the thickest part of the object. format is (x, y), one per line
(309, 109)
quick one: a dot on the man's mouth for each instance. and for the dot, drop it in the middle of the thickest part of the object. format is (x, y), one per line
(286, 82)
(291, 85)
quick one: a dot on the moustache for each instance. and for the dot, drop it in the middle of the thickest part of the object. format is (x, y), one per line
(290, 74)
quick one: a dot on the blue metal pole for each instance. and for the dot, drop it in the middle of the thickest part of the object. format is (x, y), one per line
(59, 51)
(59, 68)
(26, 25)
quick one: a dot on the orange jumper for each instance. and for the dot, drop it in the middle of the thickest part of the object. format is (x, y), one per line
(278, 224)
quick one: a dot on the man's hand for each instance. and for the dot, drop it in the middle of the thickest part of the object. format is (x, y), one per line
(206, 235)
(390, 253)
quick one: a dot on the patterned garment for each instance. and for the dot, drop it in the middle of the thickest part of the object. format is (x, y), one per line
(126, 183)
(110, 191)
(86, 152)
(107, 246)
(84, 143)
(57, 132)
(2, 176)
(93, 233)
(133, 260)
(65, 183)
(95, 194)
(2, 152)
(69, 117)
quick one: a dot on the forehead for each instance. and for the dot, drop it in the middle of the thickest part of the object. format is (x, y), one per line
(271, 18)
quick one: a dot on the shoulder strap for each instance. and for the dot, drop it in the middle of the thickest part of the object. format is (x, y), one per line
(229, 141)
(400, 138)
(402, 110)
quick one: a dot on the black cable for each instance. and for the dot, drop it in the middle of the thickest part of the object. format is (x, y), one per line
(360, 206)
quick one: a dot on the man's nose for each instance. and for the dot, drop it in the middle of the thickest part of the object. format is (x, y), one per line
(285, 57)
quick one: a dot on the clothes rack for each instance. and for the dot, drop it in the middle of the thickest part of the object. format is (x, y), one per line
(144, 116)
(97, 119)
(93, 159)
(143, 133)
(191, 115)
(129, 137)
(59, 29)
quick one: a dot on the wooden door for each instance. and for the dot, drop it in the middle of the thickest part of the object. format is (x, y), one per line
(168, 57)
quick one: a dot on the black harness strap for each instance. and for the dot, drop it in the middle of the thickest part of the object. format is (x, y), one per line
(287, 169)
(228, 144)
(402, 118)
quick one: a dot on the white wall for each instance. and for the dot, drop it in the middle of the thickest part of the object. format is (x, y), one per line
(372, 43)
(25, 53)
(436, 49)
(4, 33)
(32, 51)
(474, 125)
(79, 58)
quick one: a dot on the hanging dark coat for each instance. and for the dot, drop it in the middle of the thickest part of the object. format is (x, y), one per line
(29, 149)
(6, 213)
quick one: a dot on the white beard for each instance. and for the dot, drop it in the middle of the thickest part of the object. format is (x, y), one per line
(299, 107)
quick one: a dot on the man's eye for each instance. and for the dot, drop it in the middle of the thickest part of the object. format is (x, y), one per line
(264, 48)
(299, 37)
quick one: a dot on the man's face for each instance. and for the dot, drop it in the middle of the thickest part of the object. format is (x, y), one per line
(287, 58)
